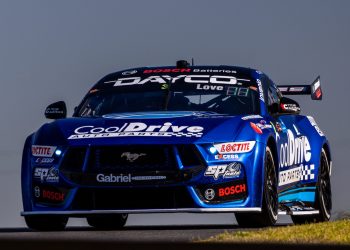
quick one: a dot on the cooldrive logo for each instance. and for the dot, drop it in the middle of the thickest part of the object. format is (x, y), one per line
(137, 129)
(295, 151)
(43, 151)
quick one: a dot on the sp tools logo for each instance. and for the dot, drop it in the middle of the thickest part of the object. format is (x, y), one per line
(49, 175)
(232, 170)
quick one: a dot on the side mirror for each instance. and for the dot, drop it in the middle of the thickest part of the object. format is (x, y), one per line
(289, 106)
(57, 110)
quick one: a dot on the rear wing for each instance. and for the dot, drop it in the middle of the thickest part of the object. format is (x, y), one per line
(314, 89)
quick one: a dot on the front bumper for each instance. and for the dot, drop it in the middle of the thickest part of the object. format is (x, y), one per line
(191, 180)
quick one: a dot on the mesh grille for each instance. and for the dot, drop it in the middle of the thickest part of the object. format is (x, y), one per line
(131, 158)
(133, 198)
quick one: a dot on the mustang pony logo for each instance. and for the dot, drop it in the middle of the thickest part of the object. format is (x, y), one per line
(131, 157)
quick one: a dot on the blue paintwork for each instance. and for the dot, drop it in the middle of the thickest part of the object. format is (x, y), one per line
(216, 129)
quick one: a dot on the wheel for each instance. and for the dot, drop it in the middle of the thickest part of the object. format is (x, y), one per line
(323, 195)
(46, 222)
(268, 215)
(107, 222)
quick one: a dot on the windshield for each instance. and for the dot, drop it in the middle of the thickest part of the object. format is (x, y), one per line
(233, 101)
(227, 93)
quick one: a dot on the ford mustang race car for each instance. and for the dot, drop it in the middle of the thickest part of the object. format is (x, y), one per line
(171, 139)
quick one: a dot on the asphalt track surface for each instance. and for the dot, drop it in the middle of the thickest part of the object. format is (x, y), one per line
(127, 234)
(134, 237)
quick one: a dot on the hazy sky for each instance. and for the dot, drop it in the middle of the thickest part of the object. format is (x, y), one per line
(56, 50)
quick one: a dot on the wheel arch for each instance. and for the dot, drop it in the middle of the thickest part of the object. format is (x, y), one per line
(271, 143)
(328, 154)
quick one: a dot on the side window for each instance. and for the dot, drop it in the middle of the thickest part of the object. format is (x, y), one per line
(273, 98)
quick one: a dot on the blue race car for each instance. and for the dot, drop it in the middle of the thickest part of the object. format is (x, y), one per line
(197, 139)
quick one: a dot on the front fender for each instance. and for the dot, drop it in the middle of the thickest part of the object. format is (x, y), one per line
(26, 174)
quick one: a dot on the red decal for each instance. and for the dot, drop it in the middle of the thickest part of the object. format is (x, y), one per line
(256, 128)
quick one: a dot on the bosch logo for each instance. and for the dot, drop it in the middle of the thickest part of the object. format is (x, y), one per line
(236, 189)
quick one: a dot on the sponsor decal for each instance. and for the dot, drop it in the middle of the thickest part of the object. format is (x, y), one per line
(290, 107)
(303, 172)
(210, 87)
(249, 117)
(37, 192)
(130, 72)
(48, 175)
(227, 71)
(161, 79)
(150, 71)
(137, 129)
(232, 190)
(259, 127)
(113, 178)
(296, 89)
(235, 147)
(44, 160)
(232, 170)
(261, 91)
(49, 194)
(126, 178)
(131, 157)
(314, 124)
(52, 196)
(43, 151)
(295, 151)
(209, 194)
(226, 157)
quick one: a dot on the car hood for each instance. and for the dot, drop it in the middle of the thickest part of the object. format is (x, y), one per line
(142, 128)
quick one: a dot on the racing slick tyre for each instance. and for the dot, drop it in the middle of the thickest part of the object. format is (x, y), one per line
(323, 199)
(268, 215)
(107, 222)
(46, 222)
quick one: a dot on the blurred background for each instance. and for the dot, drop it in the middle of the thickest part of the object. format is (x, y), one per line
(56, 50)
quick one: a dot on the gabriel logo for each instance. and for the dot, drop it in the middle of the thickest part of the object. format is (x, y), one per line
(131, 157)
